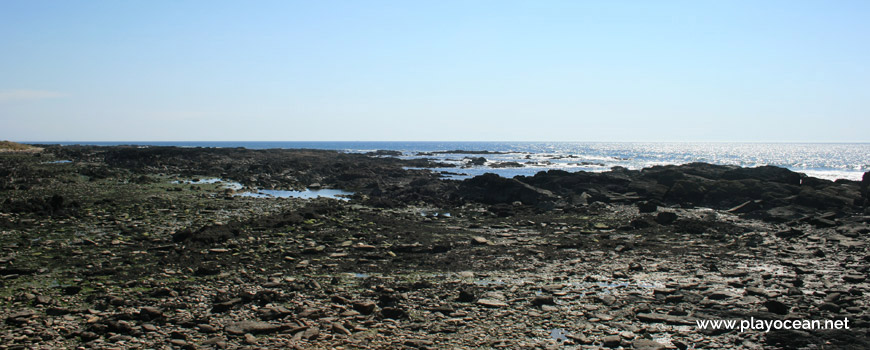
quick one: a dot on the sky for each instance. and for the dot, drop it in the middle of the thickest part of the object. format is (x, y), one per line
(625, 70)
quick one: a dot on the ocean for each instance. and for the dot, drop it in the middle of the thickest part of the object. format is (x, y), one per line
(823, 160)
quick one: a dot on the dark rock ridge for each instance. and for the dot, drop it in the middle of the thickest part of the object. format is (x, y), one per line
(271, 168)
(459, 151)
(767, 192)
(493, 189)
(382, 152)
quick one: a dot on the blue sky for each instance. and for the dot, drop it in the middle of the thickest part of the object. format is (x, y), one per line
(435, 70)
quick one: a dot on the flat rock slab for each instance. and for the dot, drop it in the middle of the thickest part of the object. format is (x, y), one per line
(669, 319)
(647, 344)
(491, 303)
(854, 278)
(480, 240)
(254, 327)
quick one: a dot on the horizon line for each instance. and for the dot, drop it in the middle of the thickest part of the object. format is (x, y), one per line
(420, 141)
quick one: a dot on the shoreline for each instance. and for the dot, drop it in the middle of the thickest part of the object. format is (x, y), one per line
(106, 251)
(526, 158)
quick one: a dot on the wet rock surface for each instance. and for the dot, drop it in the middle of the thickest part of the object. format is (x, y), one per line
(121, 249)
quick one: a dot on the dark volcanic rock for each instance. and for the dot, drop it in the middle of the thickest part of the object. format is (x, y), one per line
(666, 218)
(477, 161)
(365, 307)
(507, 165)
(56, 205)
(647, 207)
(765, 173)
(393, 313)
(543, 300)
(492, 189)
(382, 152)
(208, 234)
(865, 185)
(254, 327)
(776, 307)
(611, 341)
(462, 151)
(824, 199)
(669, 319)
(465, 296)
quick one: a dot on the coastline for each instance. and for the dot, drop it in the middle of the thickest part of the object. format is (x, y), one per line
(830, 161)
(107, 251)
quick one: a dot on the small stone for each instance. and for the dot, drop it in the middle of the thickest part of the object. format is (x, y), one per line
(57, 311)
(664, 291)
(543, 300)
(339, 328)
(647, 207)
(42, 300)
(478, 240)
(253, 327)
(465, 296)
(666, 218)
(310, 333)
(418, 343)
(365, 307)
(680, 344)
(758, 292)
(669, 319)
(72, 290)
(672, 299)
(177, 335)
(364, 247)
(829, 307)
(549, 308)
(213, 341)
(393, 313)
(611, 341)
(226, 305)
(444, 309)
(776, 307)
(720, 295)
(647, 344)
(206, 328)
(854, 278)
(88, 336)
(733, 273)
(179, 343)
(607, 299)
(149, 312)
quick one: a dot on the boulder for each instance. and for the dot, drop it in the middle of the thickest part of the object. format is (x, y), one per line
(208, 234)
(687, 191)
(477, 160)
(822, 199)
(490, 188)
(647, 206)
(666, 218)
(765, 173)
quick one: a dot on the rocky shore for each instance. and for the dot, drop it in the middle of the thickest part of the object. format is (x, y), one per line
(129, 247)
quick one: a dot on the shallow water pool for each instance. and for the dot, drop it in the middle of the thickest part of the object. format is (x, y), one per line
(306, 194)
